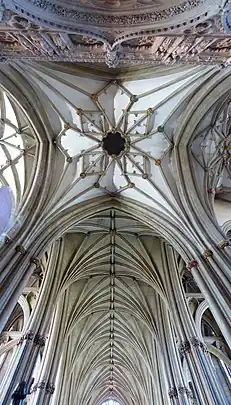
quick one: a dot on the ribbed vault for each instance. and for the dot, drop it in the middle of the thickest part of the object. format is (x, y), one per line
(83, 111)
(112, 285)
(112, 282)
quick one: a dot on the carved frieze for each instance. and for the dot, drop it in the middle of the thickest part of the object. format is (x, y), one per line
(200, 42)
(50, 45)
(113, 13)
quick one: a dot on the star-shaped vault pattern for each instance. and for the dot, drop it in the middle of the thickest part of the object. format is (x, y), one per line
(113, 138)
(115, 172)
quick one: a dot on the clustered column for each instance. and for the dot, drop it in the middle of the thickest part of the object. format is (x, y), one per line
(191, 349)
(34, 339)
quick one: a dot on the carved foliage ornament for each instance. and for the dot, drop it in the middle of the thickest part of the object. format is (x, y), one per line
(186, 346)
(39, 340)
(43, 385)
(30, 336)
(191, 45)
(75, 14)
(175, 392)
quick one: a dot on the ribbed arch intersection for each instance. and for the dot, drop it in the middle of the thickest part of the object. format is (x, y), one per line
(113, 280)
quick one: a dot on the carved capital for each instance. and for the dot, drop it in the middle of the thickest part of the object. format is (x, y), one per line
(172, 392)
(195, 342)
(184, 347)
(192, 265)
(50, 388)
(39, 340)
(34, 388)
(190, 395)
(28, 336)
(182, 390)
(41, 385)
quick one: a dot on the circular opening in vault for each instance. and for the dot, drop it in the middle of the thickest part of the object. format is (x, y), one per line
(113, 143)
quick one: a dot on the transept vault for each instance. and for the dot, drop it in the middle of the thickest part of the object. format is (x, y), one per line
(115, 191)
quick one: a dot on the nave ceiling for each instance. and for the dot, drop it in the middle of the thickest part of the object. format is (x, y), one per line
(112, 282)
(115, 285)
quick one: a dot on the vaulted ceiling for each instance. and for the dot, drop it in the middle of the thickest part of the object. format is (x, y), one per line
(145, 114)
(84, 114)
(113, 284)
(95, 135)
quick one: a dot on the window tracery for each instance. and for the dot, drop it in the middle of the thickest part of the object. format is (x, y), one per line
(17, 146)
(212, 149)
(17, 152)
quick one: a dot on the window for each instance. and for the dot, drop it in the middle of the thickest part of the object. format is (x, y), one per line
(110, 402)
(17, 147)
